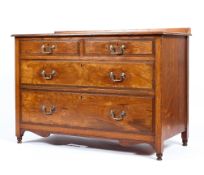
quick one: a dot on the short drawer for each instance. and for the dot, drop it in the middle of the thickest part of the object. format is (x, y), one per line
(48, 47)
(100, 112)
(120, 47)
(107, 75)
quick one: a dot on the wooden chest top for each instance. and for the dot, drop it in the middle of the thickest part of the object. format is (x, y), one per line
(164, 31)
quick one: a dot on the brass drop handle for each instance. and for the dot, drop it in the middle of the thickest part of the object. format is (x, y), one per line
(47, 49)
(119, 51)
(47, 76)
(49, 111)
(118, 118)
(113, 77)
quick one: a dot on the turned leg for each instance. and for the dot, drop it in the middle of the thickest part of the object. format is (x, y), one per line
(19, 136)
(159, 156)
(159, 149)
(184, 136)
(19, 139)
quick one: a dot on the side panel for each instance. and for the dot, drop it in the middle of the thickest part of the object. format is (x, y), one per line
(174, 85)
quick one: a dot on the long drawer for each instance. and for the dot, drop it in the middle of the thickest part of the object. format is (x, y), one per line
(92, 111)
(107, 75)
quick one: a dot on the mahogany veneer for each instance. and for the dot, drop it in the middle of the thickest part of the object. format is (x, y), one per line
(131, 86)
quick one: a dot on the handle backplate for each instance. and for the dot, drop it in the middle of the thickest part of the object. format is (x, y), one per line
(114, 79)
(47, 111)
(48, 76)
(47, 49)
(119, 117)
(117, 51)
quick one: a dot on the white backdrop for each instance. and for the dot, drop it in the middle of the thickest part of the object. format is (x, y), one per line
(53, 155)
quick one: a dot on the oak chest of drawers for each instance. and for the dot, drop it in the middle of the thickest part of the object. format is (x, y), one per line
(131, 86)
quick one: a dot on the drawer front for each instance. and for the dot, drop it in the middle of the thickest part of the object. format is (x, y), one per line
(100, 112)
(109, 75)
(126, 47)
(49, 47)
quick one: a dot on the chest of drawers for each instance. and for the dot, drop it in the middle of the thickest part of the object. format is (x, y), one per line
(130, 86)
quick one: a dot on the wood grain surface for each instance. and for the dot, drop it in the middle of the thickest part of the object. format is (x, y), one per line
(88, 111)
(137, 75)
